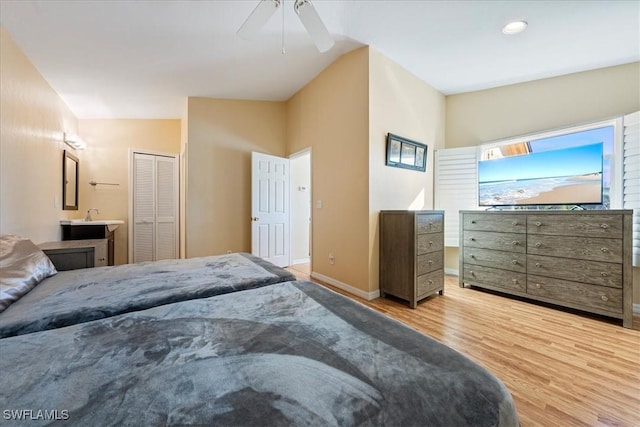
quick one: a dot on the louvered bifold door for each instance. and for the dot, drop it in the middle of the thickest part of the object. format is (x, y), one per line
(143, 207)
(456, 187)
(631, 177)
(166, 215)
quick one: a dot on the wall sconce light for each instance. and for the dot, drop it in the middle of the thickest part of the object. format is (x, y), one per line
(74, 141)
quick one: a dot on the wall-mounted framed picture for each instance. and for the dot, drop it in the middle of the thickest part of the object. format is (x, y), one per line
(405, 153)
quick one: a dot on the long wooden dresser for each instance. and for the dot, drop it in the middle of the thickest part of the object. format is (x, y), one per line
(576, 259)
(411, 254)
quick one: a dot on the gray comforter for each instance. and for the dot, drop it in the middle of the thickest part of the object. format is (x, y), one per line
(292, 353)
(77, 296)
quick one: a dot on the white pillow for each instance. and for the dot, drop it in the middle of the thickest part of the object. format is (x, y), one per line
(22, 266)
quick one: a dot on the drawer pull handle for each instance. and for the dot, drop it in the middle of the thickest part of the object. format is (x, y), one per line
(538, 265)
(604, 273)
(514, 280)
(514, 223)
(538, 223)
(514, 262)
(473, 221)
(473, 273)
(604, 250)
(604, 226)
(538, 285)
(430, 262)
(515, 242)
(538, 244)
(604, 298)
(101, 259)
(473, 239)
(472, 256)
(431, 282)
(430, 243)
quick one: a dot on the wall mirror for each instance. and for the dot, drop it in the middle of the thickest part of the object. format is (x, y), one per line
(69, 181)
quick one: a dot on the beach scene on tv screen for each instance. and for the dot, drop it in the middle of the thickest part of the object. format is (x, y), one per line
(571, 175)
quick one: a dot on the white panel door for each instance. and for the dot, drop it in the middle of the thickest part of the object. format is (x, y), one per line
(270, 208)
(155, 207)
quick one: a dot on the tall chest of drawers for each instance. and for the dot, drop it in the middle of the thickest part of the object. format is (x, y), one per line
(576, 259)
(411, 254)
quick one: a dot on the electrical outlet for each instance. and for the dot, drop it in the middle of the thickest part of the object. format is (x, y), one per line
(332, 259)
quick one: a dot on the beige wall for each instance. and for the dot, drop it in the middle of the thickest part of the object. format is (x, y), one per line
(32, 121)
(106, 159)
(221, 136)
(482, 116)
(477, 117)
(330, 114)
(402, 104)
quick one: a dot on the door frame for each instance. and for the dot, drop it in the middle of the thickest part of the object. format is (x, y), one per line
(295, 155)
(176, 157)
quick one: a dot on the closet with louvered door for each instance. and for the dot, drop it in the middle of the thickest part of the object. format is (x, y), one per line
(155, 207)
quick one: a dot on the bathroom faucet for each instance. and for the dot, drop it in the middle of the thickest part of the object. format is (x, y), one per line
(88, 217)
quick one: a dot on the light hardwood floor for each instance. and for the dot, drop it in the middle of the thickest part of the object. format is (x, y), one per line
(563, 369)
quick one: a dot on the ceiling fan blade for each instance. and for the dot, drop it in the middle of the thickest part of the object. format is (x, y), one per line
(312, 22)
(260, 15)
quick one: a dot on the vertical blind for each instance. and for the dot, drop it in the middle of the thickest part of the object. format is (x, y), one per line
(631, 177)
(456, 182)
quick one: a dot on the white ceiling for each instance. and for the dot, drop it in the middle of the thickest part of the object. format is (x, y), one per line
(141, 59)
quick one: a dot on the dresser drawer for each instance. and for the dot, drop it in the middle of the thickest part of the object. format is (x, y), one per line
(580, 294)
(594, 272)
(429, 223)
(607, 250)
(429, 262)
(509, 280)
(495, 222)
(426, 243)
(497, 259)
(607, 226)
(429, 283)
(499, 241)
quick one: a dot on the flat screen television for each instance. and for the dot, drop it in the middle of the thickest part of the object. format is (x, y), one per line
(568, 176)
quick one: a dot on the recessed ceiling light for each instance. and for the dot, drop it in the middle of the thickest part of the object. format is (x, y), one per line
(515, 27)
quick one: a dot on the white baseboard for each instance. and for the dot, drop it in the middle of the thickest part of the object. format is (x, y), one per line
(636, 308)
(452, 271)
(300, 261)
(352, 290)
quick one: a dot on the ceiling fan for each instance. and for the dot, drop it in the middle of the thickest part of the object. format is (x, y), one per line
(306, 12)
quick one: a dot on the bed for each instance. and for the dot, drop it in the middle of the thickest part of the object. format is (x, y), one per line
(77, 296)
(156, 344)
(291, 353)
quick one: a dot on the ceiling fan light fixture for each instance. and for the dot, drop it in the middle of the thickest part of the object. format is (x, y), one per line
(260, 15)
(515, 27)
(313, 24)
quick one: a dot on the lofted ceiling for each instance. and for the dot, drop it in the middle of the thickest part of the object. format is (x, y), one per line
(141, 59)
